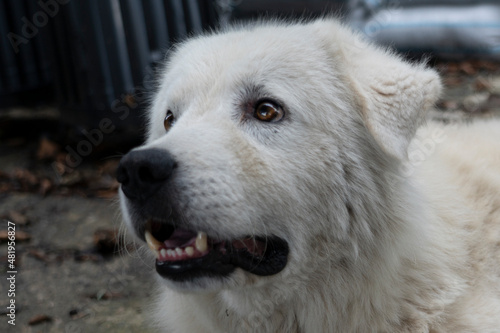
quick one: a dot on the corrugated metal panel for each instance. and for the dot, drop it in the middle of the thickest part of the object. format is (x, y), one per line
(94, 51)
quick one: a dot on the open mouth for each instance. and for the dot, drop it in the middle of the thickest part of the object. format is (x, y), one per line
(185, 255)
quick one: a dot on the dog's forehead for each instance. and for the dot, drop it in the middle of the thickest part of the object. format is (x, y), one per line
(228, 58)
(210, 74)
(234, 45)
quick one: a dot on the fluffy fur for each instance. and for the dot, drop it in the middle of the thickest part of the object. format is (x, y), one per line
(389, 230)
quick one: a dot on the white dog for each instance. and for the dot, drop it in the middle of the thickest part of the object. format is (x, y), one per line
(284, 187)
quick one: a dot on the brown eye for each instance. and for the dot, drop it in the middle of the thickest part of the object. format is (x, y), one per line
(169, 120)
(269, 111)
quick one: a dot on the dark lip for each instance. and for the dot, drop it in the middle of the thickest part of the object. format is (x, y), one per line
(210, 265)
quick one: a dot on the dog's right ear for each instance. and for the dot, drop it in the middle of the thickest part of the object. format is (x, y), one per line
(393, 93)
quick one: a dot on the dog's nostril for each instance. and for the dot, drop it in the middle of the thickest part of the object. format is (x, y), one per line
(145, 174)
(121, 175)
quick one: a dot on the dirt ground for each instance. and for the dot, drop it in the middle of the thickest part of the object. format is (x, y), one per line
(73, 273)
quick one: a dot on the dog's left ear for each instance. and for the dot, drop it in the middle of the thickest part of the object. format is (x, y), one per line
(394, 94)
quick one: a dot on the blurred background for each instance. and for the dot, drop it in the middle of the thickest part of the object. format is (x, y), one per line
(75, 78)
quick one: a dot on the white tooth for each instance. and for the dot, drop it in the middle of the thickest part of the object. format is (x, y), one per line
(153, 243)
(201, 241)
(171, 253)
(163, 252)
(178, 250)
(190, 251)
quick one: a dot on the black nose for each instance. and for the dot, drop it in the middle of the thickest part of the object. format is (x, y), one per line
(143, 172)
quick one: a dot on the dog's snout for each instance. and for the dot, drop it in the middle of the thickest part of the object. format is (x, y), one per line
(143, 172)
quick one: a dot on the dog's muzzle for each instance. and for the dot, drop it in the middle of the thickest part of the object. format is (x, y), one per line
(184, 254)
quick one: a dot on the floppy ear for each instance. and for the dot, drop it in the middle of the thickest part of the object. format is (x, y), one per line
(394, 94)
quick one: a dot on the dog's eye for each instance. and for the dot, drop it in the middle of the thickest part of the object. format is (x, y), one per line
(268, 111)
(169, 120)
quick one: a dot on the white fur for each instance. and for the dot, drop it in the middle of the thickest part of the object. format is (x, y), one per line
(386, 234)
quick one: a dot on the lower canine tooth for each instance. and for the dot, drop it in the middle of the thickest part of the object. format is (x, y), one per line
(189, 250)
(163, 252)
(201, 242)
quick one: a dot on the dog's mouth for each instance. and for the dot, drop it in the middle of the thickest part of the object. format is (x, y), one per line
(185, 254)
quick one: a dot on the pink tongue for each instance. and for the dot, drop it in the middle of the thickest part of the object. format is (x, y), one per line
(252, 245)
(180, 238)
